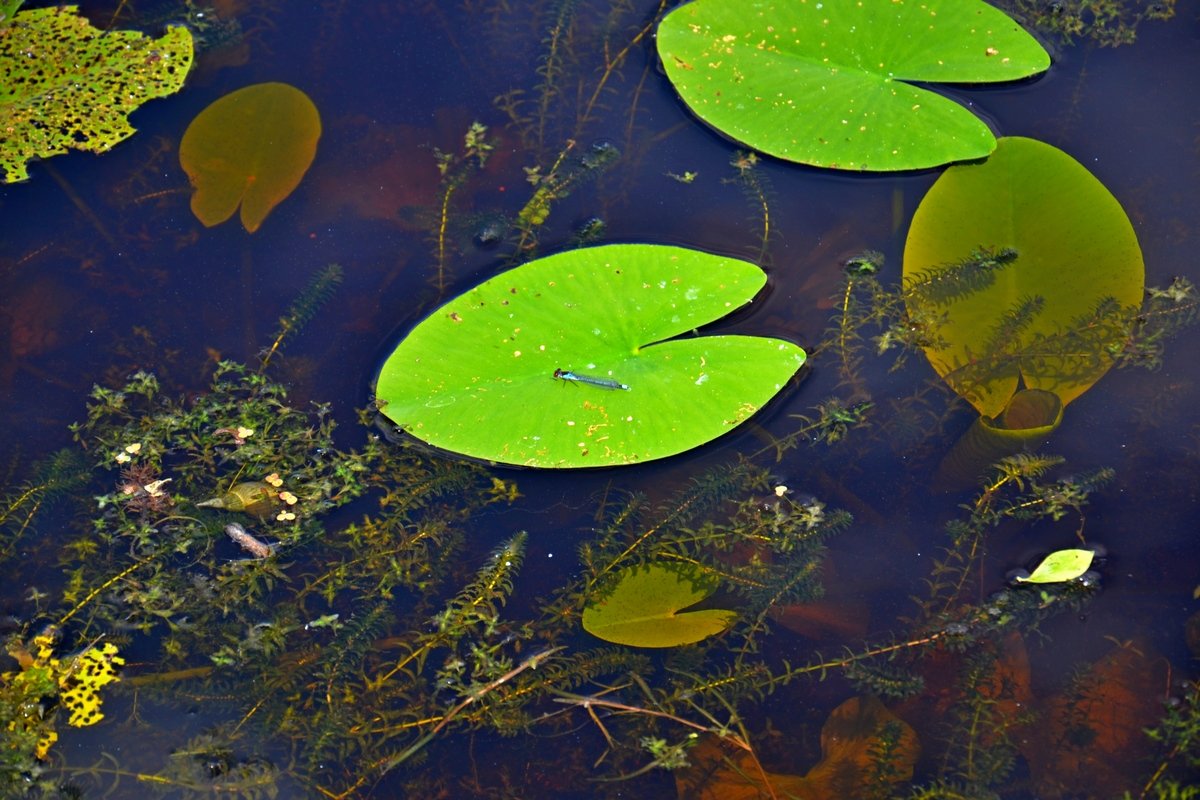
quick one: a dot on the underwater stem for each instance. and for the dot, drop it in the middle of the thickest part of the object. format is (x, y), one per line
(92, 594)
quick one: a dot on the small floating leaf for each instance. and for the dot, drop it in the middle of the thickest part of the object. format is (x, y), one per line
(643, 609)
(66, 85)
(478, 376)
(829, 83)
(1061, 565)
(250, 147)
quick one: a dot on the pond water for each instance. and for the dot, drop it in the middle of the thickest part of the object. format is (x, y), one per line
(105, 272)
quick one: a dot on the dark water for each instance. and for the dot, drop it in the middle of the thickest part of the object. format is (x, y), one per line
(138, 283)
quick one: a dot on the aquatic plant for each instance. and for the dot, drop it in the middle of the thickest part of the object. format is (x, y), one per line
(1177, 736)
(585, 63)
(1063, 281)
(828, 84)
(251, 149)
(347, 649)
(319, 289)
(757, 189)
(1069, 352)
(455, 169)
(478, 375)
(1108, 23)
(50, 107)
(568, 171)
(644, 608)
(52, 479)
(584, 48)
(160, 566)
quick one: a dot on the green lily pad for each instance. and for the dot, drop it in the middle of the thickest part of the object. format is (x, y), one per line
(643, 609)
(478, 376)
(1078, 270)
(823, 83)
(66, 85)
(1059, 566)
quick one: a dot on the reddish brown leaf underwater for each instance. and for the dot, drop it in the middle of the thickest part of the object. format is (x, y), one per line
(1085, 741)
(1090, 740)
(37, 320)
(1006, 684)
(841, 615)
(824, 620)
(390, 172)
(850, 736)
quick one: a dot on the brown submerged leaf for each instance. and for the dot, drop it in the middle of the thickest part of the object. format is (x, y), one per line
(1091, 742)
(250, 147)
(849, 738)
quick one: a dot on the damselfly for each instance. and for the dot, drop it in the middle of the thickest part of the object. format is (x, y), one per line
(603, 383)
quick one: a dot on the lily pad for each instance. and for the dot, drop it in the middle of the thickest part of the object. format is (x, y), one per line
(823, 83)
(1060, 566)
(643, 609)
(65, 85)
(1050, 317)
(478, 376)
(1029, 419)
(250, 147)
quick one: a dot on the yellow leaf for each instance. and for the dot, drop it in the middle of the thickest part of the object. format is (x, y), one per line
(250, 147)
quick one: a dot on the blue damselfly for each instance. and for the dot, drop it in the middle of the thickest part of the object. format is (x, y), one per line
(603, 383)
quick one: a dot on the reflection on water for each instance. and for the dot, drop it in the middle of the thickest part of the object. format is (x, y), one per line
(410, 625)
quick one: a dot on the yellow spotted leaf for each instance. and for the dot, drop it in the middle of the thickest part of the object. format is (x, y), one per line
(65, 85)
(90, 671)
(44, 744)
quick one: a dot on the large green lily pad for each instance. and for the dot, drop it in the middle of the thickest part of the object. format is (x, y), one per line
(1077, 255)
(249, 148)
(66, 85)
(823, 83)
(477, 376)
(644, 607)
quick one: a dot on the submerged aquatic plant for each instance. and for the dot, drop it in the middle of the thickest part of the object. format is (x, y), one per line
(345, 646)
(345, 649)
(1108, 23)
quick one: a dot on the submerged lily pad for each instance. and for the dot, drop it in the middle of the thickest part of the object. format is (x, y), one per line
(824, 83)
(1028, 420)
(250, 147)
(643, 609)
(65, 85)
(478, 375)
(1049, 318)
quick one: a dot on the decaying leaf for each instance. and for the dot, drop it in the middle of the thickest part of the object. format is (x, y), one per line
(1091, 743)
(66, 85)
(851, 741)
